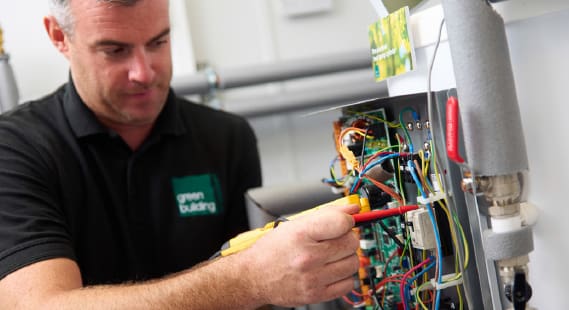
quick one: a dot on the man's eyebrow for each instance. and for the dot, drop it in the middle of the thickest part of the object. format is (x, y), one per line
(107, 42)
(160, 35)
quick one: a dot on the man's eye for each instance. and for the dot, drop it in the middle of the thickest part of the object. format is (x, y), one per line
(114, 52)
(160, 42)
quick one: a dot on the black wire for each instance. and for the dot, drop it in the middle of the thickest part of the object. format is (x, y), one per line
(391, 234)
(363, 148)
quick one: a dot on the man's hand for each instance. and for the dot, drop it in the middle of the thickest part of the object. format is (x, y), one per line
(306, 260)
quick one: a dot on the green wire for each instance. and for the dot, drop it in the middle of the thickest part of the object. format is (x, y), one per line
(409, 142)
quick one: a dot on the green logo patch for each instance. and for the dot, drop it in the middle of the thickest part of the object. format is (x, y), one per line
(198, 195)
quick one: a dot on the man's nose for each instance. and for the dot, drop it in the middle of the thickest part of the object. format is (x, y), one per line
(140, 70)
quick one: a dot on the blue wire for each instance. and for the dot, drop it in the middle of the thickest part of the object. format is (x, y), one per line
(409, 281)
(425, 269)
(379, 161)
(371, 165)
(436, 231)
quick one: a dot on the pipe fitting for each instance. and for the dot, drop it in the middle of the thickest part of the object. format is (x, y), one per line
(504, 211)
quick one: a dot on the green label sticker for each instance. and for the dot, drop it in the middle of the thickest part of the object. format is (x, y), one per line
(198, 195)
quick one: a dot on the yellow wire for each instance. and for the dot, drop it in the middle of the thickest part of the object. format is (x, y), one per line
(418, 297)
(404, 249)
(459, 293)
(390, 124)
(453, 233)
(453, 219)
(401, 191)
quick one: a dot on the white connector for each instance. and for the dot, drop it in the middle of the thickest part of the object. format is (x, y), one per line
(432, 198)
(367, 244)
(421, 231)
(446, 283)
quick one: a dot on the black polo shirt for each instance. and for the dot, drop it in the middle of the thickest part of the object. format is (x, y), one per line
(70, 187)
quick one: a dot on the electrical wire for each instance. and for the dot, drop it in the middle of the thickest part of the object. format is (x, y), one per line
(344, 131)
(455, 224)
(419, 300)
(386, 189)
(429, 92)
(404, 284)
(435, 230)
(363, 171)
(461, 262)
(399, 178)
(436, 158)
(390, 124)
(363, 148)
(415, 118)
(391, 234)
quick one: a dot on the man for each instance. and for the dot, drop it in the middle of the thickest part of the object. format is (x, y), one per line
(111, 188)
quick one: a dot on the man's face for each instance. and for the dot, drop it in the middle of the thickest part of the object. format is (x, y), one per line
(120, 59)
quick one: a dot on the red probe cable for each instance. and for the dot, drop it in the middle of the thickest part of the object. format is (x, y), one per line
(379, 214)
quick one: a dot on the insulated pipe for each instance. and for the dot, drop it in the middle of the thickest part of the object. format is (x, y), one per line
(225, 78)
(491, 122)
(494, 143)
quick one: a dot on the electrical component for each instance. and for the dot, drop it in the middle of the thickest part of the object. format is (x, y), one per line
(421, 230)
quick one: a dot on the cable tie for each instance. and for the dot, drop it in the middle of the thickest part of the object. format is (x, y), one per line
(432, 198)
(443, 285)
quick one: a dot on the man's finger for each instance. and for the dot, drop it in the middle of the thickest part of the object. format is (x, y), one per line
(349, 209)
(328, 224)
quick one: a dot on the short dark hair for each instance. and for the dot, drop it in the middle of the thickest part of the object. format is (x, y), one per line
(60, 9)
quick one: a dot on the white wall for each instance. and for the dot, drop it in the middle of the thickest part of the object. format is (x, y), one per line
(539, 50)
(238, 33)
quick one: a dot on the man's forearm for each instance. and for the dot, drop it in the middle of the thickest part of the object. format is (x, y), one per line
(221, 284)
(308, 260)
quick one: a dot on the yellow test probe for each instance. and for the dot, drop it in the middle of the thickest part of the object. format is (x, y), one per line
(246, 239)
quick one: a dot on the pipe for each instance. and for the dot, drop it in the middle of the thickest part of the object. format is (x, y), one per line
(492, 127)
(9, 95)
(292, 69)
(197, 83)
(225, 78)
(495, 145)
(330, 95)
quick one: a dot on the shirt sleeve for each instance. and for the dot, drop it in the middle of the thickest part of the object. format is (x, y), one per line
(32, 226)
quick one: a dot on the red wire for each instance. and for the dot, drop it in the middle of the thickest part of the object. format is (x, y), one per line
(346, 299)
(406, 275)
(384, 188)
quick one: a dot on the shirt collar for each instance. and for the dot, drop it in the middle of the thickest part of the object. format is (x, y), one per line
(84, 123)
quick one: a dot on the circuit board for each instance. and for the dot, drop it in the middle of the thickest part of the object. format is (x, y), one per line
(385, 155)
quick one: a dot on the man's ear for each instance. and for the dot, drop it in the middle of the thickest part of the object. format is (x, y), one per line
(56, 35)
